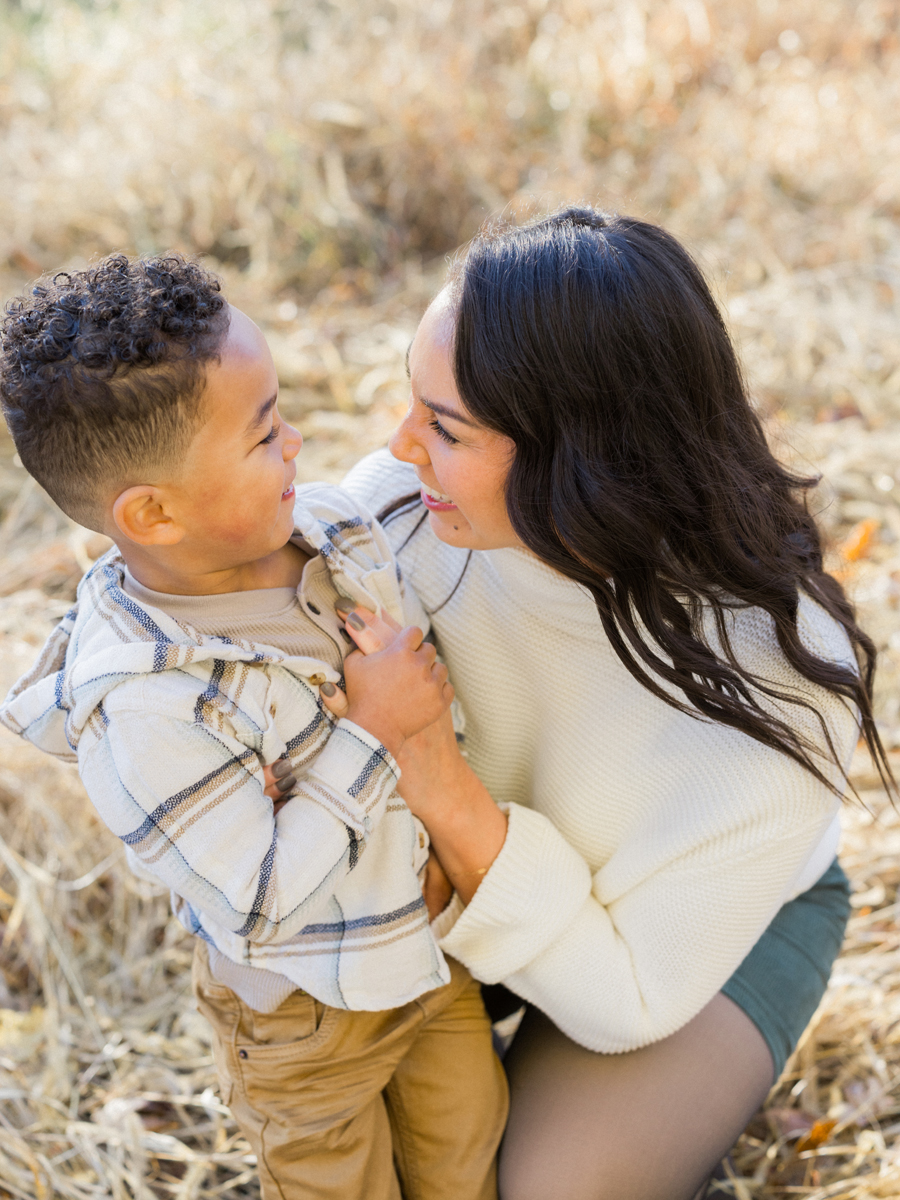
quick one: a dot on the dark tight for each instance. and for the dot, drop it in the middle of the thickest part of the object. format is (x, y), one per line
(648, 1125)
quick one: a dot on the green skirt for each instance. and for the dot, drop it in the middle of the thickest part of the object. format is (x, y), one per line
(781, 981)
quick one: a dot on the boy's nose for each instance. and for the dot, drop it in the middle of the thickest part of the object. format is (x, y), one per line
(292, 442)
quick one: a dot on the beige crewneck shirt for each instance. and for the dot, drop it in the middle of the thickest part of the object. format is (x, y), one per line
(268, 616)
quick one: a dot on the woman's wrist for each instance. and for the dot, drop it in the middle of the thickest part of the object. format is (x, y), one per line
(467, 830)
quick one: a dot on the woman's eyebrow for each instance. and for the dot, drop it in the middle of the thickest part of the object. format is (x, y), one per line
(444, 411)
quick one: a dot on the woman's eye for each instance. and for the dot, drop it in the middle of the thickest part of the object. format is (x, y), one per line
(271, 435)
(442, 432)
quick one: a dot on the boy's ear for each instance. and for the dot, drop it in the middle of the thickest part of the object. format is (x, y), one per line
(140, 514)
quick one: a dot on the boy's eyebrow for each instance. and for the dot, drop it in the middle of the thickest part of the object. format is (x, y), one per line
(261, 413)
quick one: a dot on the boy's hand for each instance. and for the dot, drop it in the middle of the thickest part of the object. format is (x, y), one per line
(436, 888)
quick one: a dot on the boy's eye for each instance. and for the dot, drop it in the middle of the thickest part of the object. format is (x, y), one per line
(271, 435)
(442, 432)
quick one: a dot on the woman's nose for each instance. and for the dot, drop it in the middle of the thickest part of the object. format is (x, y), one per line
(406, 446)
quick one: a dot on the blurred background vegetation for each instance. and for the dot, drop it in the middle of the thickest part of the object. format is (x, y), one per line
(325, 158)
(310, 145)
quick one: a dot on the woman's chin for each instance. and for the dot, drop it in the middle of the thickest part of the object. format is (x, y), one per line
(450, 527)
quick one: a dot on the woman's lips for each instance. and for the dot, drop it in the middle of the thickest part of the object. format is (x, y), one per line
(434, 503)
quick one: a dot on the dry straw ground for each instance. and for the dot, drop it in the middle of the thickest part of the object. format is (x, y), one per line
(324, 156)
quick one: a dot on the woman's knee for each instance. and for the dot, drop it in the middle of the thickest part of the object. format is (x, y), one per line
(579, 1121)
(621, 1173)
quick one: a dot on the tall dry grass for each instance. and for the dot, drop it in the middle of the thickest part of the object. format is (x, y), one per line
(325, 157)
(300, 139)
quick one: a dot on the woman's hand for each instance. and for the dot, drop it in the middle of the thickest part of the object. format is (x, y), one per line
(279, 779)
(396, 692)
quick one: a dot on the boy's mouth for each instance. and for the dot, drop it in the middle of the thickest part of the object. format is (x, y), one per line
(436, 500)
(288, 493)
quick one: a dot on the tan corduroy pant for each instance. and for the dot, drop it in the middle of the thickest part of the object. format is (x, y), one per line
(340, 1105)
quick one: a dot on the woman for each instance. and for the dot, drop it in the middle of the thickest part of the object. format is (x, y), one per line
(662, 689)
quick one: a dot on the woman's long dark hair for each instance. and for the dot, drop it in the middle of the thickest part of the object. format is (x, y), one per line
(641, 470)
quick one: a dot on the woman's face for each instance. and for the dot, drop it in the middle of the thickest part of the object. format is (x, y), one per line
(461, 465)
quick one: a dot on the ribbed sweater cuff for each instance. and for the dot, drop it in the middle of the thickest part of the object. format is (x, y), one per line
(534, 889)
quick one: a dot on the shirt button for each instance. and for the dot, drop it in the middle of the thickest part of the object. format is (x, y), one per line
(317, 680)
(242, 1054)
(312, 608)
(421, 841)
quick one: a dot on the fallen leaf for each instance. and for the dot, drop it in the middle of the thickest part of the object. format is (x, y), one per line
(819, 1133)
(858, 542)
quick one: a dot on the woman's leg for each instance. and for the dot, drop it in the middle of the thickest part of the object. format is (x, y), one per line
(648, 1125)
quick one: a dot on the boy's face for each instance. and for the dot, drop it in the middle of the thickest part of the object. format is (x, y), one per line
(234, 497)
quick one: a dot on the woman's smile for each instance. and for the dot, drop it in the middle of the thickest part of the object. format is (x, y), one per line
(436, 500)
(444, 442)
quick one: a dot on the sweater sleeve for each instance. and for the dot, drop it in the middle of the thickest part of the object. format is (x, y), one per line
(623, 957)
(191, 807)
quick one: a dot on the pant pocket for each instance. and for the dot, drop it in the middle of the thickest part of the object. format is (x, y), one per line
(297, 1019)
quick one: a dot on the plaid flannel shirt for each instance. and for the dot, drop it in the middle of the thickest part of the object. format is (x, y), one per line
(171, 728)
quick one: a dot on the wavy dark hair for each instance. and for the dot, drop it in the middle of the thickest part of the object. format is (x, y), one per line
(101, 374)
(641, 469)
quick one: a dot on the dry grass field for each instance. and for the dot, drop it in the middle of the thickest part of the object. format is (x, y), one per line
(325, 157)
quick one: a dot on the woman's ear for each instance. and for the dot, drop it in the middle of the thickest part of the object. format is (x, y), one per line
(140, 513)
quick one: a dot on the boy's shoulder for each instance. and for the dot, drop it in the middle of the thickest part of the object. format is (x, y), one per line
(356, 551)
(327, 501)
(330, 519)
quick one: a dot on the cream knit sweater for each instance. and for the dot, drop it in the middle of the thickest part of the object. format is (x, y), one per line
(647, 850)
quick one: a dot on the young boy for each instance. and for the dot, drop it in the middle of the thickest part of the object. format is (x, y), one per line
(350, 1052)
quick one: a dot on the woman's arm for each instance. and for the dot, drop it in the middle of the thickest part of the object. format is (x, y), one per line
(466, 827)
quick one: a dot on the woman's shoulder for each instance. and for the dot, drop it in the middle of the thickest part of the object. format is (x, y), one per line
(754, 638)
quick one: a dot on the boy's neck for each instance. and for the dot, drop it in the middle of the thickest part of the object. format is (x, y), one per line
(281, 568)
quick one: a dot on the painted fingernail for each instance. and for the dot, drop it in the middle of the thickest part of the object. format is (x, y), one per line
(355, 622)
(281, 768)
(285, 785)
(343, 606)
(328, 689)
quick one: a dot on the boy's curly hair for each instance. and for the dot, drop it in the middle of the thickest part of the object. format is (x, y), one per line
(102, 374)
